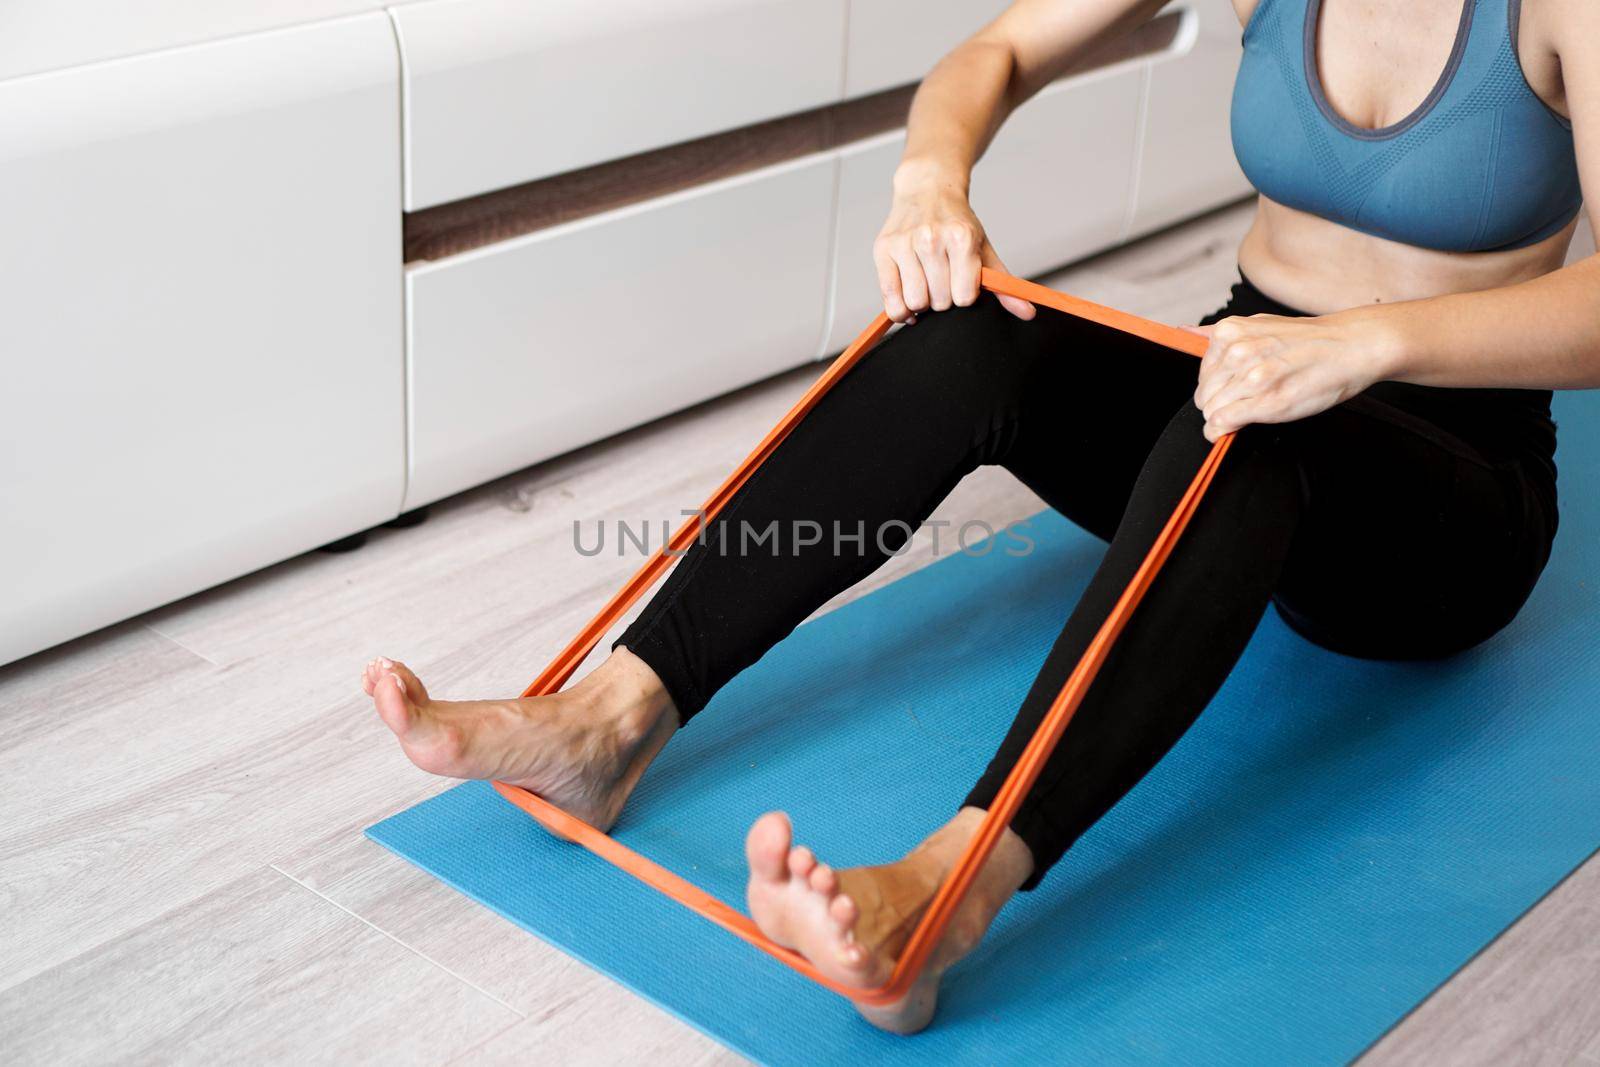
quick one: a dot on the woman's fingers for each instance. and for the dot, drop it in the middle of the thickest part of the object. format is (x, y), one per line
(1019, 307)
(1230, 353)
(1234, 416)
(931, 244)
(1245, 384)
(1213, 377)
(1257, 382)
(900, 280)
(936, 267)
(894, 304)
(913, 283)
(966, 266)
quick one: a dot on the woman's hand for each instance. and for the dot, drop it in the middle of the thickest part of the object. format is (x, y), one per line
(1273, 368)
(931, 249)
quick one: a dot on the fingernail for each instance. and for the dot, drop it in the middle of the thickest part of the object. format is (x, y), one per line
(398, 681)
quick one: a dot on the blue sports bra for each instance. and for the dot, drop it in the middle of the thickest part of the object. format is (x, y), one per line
(1481, 164)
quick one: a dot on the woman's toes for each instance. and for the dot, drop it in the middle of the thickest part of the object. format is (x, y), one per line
(844, 913)
(801, 862)
(409, 681)
(854, 955)
(369, 676)
(767, 846)
(390, 697)
(823, 880)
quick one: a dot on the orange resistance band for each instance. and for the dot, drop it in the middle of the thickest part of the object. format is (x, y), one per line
(943, 907)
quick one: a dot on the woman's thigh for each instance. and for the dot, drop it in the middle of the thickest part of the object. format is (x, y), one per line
(1070, 407)
(1089, 416)
(1412, 543)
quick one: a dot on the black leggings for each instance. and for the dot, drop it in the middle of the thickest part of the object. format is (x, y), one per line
(1405, 523)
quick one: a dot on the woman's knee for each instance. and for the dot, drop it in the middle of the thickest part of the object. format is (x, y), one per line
(965, 358)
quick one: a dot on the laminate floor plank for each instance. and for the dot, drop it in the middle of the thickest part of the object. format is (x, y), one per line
(560, 996)
(48, 694)
(601, 1031)
(117, 852)
(1533, 993)
(259, 971)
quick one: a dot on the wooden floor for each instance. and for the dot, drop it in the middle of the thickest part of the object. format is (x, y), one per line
(182, 871)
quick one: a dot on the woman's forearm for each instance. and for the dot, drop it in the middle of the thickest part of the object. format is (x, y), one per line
(1539, 334)
(955, 113)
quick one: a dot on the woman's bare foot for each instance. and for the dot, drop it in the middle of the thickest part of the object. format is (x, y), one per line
(852, 924)
(582, 749)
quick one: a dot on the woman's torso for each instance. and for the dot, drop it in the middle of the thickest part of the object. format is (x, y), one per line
(1412, 123)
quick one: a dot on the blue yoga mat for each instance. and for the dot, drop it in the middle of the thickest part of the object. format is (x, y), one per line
(1328, 844)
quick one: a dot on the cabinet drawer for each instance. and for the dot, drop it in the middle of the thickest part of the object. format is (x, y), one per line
(501, 92)
(522, 350)
(1054, 186)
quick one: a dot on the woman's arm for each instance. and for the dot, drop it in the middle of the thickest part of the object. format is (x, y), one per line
(932, 246)
(1538, 334)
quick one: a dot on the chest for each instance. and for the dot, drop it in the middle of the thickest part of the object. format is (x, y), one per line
(1411, 122)
(1378, 60)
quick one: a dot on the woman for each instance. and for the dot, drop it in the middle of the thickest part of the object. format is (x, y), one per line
(1387, 357)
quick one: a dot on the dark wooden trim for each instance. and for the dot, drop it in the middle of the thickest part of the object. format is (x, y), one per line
(445, 230)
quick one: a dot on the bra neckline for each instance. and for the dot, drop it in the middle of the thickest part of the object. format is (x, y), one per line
(1313, 75)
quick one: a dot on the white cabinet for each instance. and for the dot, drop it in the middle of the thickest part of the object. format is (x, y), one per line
(201, 319)
(1187, 163)
(500, 92)
(1054, 185)
(537, 345)
(207, 331)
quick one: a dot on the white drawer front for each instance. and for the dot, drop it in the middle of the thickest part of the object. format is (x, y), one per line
(1053, 187)
(202, 325)
(43, 35)
(523, 350)
(1187, 164)
(501, 92)
(896, 42)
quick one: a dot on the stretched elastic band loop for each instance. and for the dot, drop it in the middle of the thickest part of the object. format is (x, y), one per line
(942, 909)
